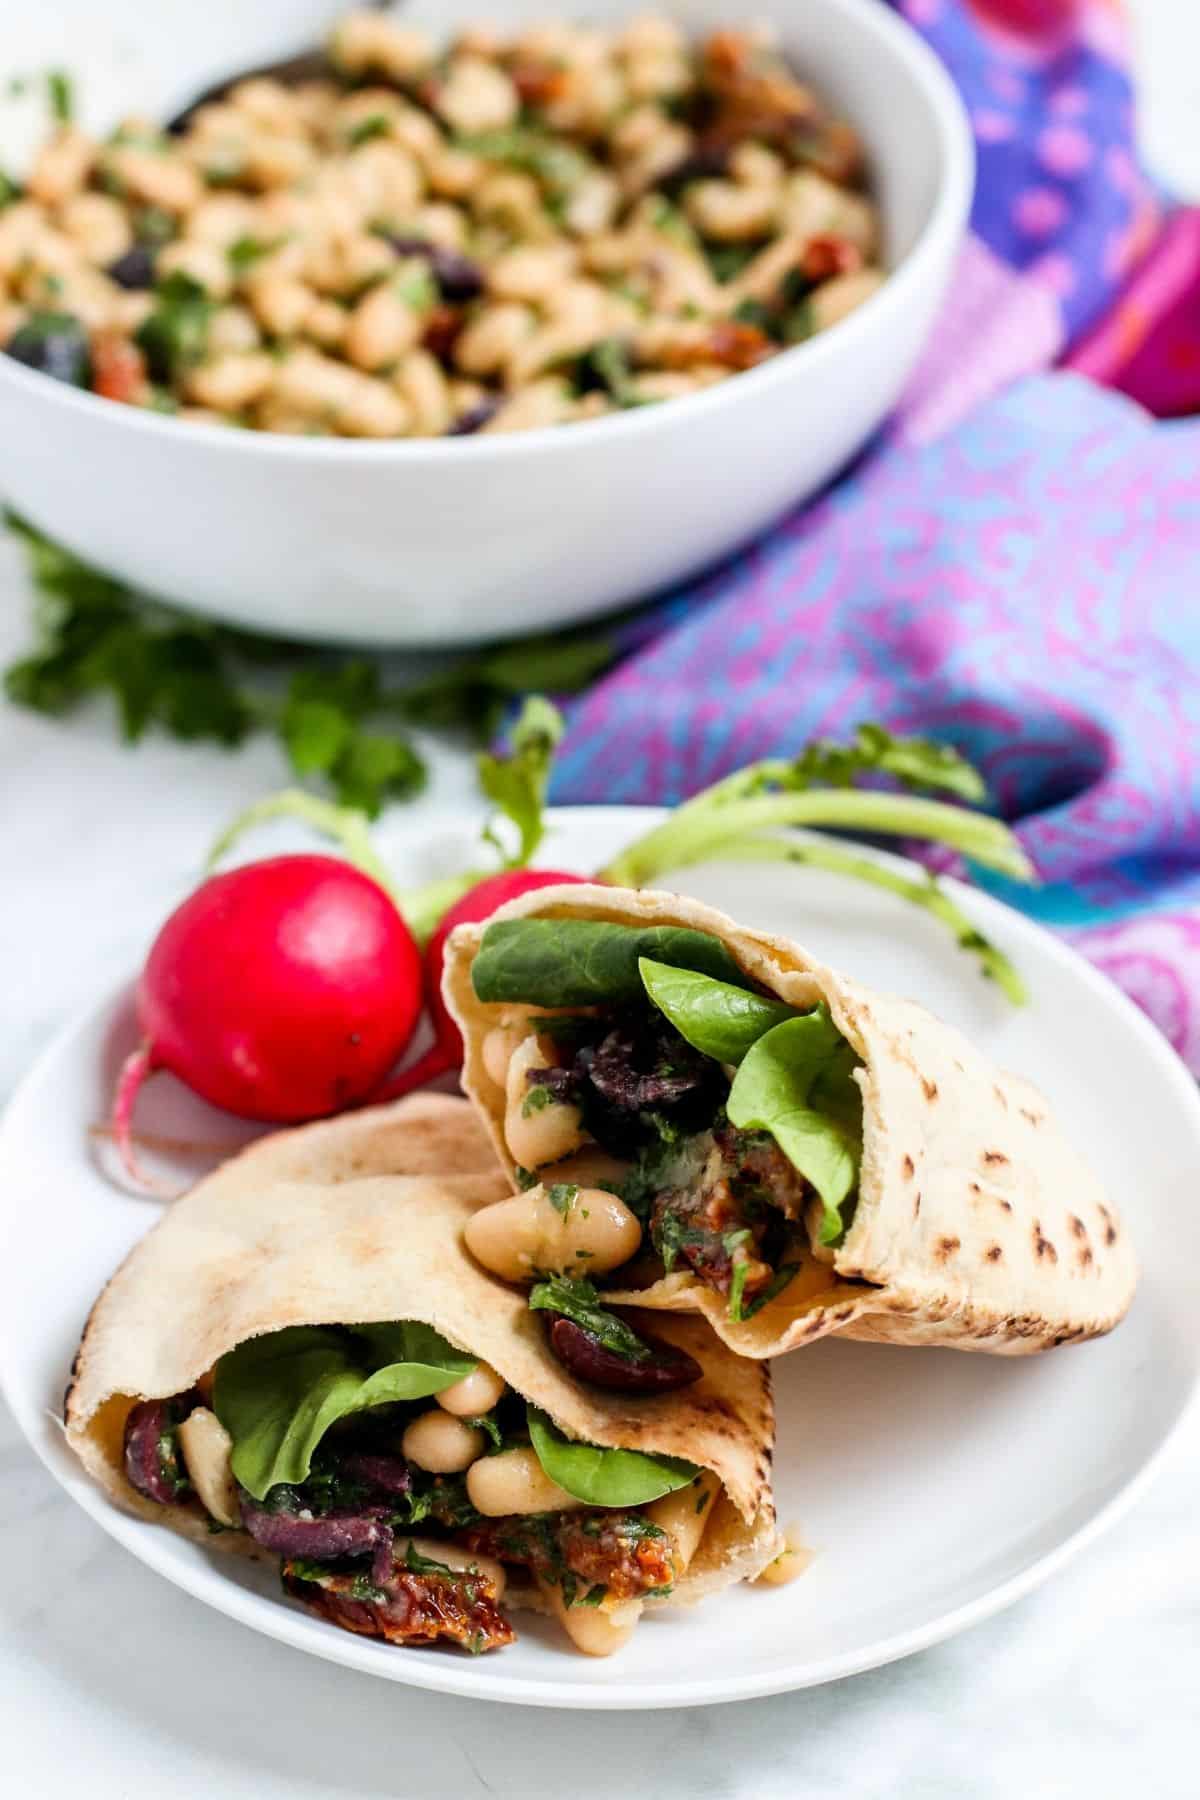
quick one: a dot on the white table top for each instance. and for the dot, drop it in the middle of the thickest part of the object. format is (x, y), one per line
(113, 1680)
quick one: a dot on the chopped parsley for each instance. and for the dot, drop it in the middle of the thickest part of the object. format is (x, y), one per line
(575, 1298)
(562, 1196)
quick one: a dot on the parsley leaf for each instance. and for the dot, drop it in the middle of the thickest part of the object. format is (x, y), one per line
(578, 1300)
(517, 782)
(201, 681)
(174, 337)
(61, 96)
(562, 1196)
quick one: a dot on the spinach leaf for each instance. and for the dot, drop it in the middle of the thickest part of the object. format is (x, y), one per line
(716, 1018)
(604, 1477)
(277, 1395)
(797, 1083)
(587, 962)
(577, 1299)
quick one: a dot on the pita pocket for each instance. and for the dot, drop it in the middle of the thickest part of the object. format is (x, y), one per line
(301, 1362)
(801, 1154)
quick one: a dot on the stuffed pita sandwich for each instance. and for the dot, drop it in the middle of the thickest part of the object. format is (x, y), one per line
(705, 1119)
(300, 1362)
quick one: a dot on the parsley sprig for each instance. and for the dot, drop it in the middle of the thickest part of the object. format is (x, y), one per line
(338, 721)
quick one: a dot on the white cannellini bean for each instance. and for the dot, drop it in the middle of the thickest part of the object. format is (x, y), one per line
(590, 1167)
(97, 223)
(441, 1443)
(61, 166)
(514, 1481)
(731, 211)
(595, 1630)
(454, 1556)
(232, 328)
(421, 382)
(537, 1129)
(833, 300)
(791, 1562)
(207, 1448)
(156, 177)
(592, 1233)
(531, 273)
(203, 262)
(228, 383)
(474, 1395)
(684, 1516)
(381, 328)
(476, 96)
(281, 304)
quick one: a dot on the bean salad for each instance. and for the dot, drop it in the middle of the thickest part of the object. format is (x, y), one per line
(431, 240)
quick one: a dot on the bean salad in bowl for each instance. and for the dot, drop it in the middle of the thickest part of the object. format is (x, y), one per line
(434, 240)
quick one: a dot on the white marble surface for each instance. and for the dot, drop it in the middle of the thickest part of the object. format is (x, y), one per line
(108, 1673)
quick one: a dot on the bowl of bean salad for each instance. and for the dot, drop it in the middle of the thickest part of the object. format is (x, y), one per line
(456, 333)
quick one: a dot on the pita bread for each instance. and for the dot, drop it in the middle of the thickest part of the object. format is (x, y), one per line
(977, 1225)
(345, 1222)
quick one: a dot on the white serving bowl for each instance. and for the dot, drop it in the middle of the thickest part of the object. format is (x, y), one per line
(453, 541)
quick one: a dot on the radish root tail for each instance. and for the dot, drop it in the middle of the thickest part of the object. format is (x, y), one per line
(135, 1070)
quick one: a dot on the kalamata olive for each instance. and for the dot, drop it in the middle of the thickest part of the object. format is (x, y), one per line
(388, 1473)
(55, 344)
(153, 1464)
(587, 1358)
(474, 419)
(457, 276)
(322, 1538)
(135, 269)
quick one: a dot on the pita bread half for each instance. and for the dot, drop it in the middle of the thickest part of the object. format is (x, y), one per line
(314, 1227)
(978, 1226)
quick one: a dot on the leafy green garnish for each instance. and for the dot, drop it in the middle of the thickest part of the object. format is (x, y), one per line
(607, 365)
(586, 962)
(562, 1196)
(197, 680)
(417, 1564)
(604, 1477)
(577, 1299)
(557, 165)
(373, 126)
(672, 1235)
(516, 783)
(716, 1018)
(174, 337)
(486, 1423)
(536, 1100)
(475, 694)
(61, 95)
(245, 251)
(278, 1394)
(797, 1083)
(668, 1159)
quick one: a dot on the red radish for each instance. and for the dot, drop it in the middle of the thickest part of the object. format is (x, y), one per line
(283, 990)
(479, 902)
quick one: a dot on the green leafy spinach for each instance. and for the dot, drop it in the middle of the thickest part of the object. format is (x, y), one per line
(716, 1018)
(604, 1477)
(797, 1083)
(277, 1395)
(587, 962)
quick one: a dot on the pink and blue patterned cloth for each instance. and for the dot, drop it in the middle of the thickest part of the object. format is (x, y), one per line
(1015, 567)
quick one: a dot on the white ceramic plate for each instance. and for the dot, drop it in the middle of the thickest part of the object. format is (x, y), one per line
(935, 1487)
